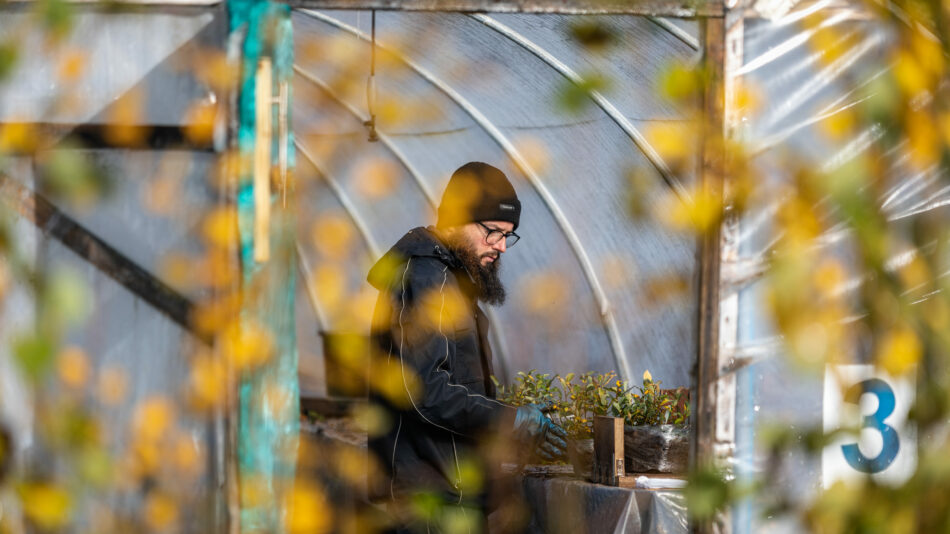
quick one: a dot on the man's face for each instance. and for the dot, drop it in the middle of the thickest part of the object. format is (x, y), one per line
(481, 260)
(476, 235)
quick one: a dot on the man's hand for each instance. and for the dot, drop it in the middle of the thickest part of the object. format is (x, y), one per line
(535, 429)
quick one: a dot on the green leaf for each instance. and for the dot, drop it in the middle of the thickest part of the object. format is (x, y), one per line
(57, 16)
(8, 59)
(574, 97)
(34, 354)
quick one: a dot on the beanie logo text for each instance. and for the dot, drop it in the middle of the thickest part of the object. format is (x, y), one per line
(506, 207)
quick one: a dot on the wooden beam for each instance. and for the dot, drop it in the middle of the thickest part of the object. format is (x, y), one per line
(658, 8)
(138, 137)
(48, 218)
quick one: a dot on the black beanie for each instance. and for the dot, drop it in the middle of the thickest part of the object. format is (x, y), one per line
(478, 192)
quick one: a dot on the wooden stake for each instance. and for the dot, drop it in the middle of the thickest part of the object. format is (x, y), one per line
(608, 450)
(262, 159)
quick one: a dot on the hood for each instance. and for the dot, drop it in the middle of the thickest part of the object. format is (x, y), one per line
(418, 242)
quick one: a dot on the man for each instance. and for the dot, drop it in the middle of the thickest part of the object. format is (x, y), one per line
(428, 322)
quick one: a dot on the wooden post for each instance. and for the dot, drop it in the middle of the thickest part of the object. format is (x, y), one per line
(714, 390)
(608, 450)
(262, 159)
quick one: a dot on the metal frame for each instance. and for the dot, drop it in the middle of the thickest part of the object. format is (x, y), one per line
(722, 54)
(713, 419)
(660, 8)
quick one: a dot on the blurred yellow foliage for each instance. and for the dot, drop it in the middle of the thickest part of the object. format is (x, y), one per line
(220, 227)
(276, 398)
(471, 474)
(5, 278)
(246, 344)
(375, 177)
(915, 273)
(199, 122)
(545, 294)
(113, 384)
(18, 137)
(72, 64)
(126, 118)
(186, 454)
(254, 491)
(329, 280)
(924, 138)
(799, 221)
(619, 271)
(308, 510)
(673, 141)
(536, 154)
(839, 124)
(395, 382)
(212, 316)
(332, 235)
(178, 271)
(698, 214)
(372, 419)
(899, 351)
(208, 383)
(213, 68)
(829, 277)
(72, 365)
(218, 269)
(162, 194)
(351, 465)
(161, 512)
(747, 97)
(47, 505)
(442, 310)
(464, 195)
(153, 419)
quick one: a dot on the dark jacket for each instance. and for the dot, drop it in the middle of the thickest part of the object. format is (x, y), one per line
(427, 319)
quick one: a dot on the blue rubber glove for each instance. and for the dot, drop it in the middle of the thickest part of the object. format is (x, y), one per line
(535, 429)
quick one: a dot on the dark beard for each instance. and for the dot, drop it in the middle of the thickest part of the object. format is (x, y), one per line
(487, 282)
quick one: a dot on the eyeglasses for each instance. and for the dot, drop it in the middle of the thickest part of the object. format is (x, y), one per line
(494, 236)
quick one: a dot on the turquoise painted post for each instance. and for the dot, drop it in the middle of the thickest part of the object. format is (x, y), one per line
(268, 396)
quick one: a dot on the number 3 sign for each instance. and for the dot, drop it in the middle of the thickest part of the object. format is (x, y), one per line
(861, 396)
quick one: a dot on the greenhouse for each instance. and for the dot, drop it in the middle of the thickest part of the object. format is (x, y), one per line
(222, 310)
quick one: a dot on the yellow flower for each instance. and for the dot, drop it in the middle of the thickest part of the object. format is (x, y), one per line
(647, 376)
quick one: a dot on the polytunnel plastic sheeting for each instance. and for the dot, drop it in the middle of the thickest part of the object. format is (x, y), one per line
(155, 198)
(118, 332)
(153, 207)
(321, 205)
(18, 310)
(117, 59)
(495, 86)
(798, 88)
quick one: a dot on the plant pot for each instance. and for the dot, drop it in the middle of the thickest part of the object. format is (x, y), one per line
(581, 454)
(656, 448)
